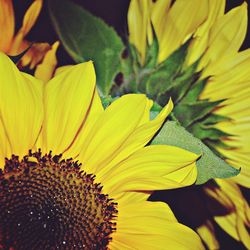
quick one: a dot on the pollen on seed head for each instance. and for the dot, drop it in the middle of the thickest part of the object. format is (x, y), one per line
(47, 202)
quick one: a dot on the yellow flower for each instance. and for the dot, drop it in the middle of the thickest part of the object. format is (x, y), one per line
(229, 69)
(230, 81)
(173, 25)
(217, 38)
(14, 44)
(76, 175)
(139, 25)
(237, 218)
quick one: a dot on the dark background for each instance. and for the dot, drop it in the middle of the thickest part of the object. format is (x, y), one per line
(114, 12)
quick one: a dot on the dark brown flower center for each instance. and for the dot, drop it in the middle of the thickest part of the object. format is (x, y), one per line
(49, 203)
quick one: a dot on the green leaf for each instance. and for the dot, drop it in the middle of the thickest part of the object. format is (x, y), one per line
(209, 165)
(86, 37)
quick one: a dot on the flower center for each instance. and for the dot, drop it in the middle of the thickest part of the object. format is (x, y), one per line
(49, 203)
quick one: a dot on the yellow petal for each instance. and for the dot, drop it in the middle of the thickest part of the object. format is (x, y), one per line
(5, 148)
(237, 106)
(201, 37)
(46, 69)
(240, 133)
(21, 109)
(244, 176)
(7, 24)
(239, 159)
(183, 19)
(243, 231)
(31, 16)
(68, 100)
(34, 55)
(155, 209)
(228, 224)
(207, 233)
(133, 197)
(231, 73)
(226, 63)
(134, 228)
(231, 82)
(159, 16)
(62, 69)
(139, 25)
(112, 129)
(234, 193)
(29, 20)
(219, 196)
(227, 34)
(237, 222)
(154, 167)
(136, 140)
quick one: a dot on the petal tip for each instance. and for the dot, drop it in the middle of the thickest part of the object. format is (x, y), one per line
(170, 104)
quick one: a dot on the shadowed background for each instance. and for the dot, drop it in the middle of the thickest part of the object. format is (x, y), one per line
(114, 12)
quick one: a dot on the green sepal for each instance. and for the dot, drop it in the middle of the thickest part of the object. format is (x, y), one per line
(180, 85)
(193, 95)
(152, 54)
(130, 68)
(213, 144)
(213, 119)
(156, 107)
(209, 165)
(204, 132)
(187, 114)
(155, 110)
(160, 79)
(106, 101)
(86, 37)
(196, 115)
(133, 54)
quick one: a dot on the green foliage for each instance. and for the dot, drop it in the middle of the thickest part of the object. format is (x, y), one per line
(172, 78)
(189, 113)
(106, 101)
(162, 78)
(86, 37)
(209, 165)
(196, 115)
(152, 54)
(193, 125)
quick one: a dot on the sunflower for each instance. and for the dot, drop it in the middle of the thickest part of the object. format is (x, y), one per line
(76, 175)
(15, 44)
(211, 40)
(235, 216)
